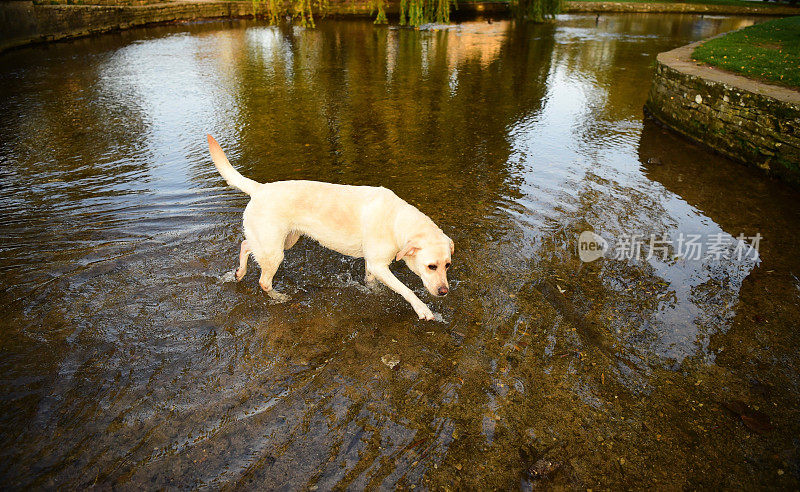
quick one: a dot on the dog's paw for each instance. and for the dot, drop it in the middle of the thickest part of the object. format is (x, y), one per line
(374, 286)
(424, 312)
(278, 296)
(228, 277)
(239, 274)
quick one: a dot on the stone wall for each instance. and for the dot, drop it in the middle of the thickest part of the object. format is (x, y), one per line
(22, 22)
(681, 8)
(746, 120)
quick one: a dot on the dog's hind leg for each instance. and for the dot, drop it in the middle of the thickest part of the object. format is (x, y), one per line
(268, 251)
(244, 254)
(269, 266)
(369, 278)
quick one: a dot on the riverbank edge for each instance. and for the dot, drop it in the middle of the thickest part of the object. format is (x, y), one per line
(23, 23)
(749, 121)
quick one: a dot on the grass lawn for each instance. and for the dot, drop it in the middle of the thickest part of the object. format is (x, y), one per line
(744, 3)
(769, 51)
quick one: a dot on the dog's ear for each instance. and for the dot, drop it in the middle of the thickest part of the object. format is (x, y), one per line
(452, 245)
(410, 249)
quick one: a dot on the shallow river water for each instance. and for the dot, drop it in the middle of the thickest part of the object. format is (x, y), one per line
(126, 360)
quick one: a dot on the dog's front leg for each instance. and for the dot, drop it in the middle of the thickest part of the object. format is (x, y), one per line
(386, 276)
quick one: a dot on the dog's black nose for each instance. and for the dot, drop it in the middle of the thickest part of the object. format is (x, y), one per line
(443, 291)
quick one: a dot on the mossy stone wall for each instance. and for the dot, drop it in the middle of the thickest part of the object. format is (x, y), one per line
(752, 122)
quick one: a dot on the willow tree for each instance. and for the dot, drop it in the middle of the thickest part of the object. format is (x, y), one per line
(536, 10)
(299, 10)
(419, 12)
(412, 12)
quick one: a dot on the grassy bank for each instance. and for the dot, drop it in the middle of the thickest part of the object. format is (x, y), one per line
(742, 3)
(769, 51)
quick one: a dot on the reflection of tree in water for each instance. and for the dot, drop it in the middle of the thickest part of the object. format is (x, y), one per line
(400, 108)
(606, 58)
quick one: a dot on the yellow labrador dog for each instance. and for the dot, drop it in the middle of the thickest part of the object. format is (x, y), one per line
(359, 221)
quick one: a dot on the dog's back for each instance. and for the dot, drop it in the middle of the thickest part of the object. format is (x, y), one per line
(337, 216)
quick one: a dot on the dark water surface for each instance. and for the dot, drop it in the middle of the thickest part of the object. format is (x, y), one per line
(127, 360)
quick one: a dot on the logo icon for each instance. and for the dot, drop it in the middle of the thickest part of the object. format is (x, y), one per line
(591, 246)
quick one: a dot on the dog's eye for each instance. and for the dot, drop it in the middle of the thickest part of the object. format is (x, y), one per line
(432, 267)
(446, 266)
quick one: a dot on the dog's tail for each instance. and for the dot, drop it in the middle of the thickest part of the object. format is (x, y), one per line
(231, 175)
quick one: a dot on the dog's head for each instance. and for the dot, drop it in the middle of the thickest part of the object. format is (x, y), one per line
(428, 255)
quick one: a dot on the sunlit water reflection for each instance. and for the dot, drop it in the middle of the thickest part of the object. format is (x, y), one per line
(128, 360)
